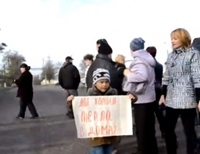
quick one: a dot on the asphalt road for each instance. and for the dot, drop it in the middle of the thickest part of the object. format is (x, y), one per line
(53, 133)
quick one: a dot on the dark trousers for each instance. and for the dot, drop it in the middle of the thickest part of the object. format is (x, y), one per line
(31, 107)
(69, 104)
(197, 119)
(159, 112)
(188, 120)
(145, 128)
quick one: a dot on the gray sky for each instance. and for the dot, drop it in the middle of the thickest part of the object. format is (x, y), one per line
(58, 28)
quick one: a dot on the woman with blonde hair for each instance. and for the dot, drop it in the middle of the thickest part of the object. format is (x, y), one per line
(120, 59)
(120, 65)
(181, 90)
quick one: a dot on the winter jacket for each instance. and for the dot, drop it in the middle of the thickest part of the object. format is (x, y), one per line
(85, 76)
(25, 87)
(196, 43)
(120, 69)
(142, 77)
(182, 78)
(103, 61)
(159, 74)
(102, 140)
(69, 77)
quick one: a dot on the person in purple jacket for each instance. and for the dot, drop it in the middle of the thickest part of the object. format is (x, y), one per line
(140, 79)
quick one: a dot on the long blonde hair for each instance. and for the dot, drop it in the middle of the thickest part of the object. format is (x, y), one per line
(120, 59)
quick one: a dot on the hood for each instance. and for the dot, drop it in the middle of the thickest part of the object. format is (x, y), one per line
(143, 54)
(66, 63)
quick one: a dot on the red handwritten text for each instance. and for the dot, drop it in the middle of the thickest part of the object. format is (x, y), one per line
(105, 101)
(84, 102)
(107, 130)
(91, 116)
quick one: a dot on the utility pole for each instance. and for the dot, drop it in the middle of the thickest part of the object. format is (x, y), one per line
(4, 77)
(45, 70)
(166, 48)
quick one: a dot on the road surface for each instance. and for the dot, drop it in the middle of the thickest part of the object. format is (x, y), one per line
(53, 133)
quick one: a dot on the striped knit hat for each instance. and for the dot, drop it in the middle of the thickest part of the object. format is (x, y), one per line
(101, 74)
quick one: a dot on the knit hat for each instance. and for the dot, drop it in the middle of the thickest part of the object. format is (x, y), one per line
(100, 74)
(104, 48)
(137, 44)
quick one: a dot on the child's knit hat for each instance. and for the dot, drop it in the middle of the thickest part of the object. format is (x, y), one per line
(100, 74)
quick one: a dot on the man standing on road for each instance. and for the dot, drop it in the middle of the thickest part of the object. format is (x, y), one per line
(104, 60)
(196, 45)
(69, 79)
(158, 82)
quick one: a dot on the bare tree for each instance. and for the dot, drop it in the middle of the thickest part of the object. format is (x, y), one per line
(12, 61)
(2, 47)
(48, 70)
(58, 65)
(37, 80)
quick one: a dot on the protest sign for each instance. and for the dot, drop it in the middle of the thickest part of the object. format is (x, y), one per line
(101, 116)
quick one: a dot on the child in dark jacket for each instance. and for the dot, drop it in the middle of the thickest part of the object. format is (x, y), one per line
(101, 86)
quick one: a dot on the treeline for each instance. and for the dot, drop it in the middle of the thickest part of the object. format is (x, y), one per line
(11, 61)
(49, 72)
(10, 67)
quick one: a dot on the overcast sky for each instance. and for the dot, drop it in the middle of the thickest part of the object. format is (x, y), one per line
(58, 28)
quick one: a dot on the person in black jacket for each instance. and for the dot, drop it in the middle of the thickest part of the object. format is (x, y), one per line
(69, 79)
(196, 45)
(25, 92)
(103, 60)
(120, 65)
(158, 82)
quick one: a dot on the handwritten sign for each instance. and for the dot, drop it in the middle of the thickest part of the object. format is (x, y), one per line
(101, 116)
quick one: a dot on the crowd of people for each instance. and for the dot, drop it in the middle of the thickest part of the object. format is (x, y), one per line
(176, 91)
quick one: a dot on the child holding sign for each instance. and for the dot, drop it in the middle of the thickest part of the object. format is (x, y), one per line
(101, 86)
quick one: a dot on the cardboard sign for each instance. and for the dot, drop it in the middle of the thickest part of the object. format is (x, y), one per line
(101, 116)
